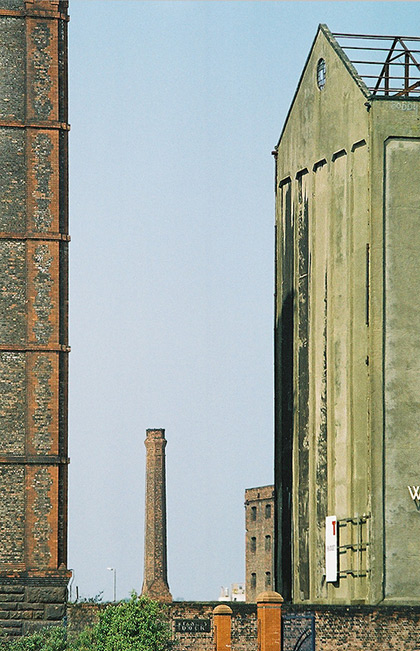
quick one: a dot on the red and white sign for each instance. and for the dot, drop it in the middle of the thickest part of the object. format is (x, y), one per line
(331, 549)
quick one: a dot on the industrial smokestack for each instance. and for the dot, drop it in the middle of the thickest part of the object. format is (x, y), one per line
(155, 583)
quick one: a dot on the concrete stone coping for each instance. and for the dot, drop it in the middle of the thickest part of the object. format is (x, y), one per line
(269, 597)
(223, 609)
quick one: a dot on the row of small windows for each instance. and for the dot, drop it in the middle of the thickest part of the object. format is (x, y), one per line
(267, 580)
(267, 512)
(253, 544)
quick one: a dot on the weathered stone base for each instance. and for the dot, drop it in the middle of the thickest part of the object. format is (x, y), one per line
(157, 590)
(28, 604)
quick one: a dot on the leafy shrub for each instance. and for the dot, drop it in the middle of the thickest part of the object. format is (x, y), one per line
(137, 625)
(49, 639)
(85, 641)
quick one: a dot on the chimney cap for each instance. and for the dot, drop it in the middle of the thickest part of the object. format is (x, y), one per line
(158, 433)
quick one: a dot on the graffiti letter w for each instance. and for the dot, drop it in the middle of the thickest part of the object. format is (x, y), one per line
(414, 492)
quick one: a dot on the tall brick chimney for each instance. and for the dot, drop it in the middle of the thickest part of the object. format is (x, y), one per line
(33, 313)
(155, 583)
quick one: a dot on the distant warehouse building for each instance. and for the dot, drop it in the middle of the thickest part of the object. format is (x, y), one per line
(259, 526)
(347, 457)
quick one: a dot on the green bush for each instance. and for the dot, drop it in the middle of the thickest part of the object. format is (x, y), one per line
(136, 625)
(49, 639)
(83, 642)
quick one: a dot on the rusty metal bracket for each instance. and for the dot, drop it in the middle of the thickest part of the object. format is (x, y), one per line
(30, 348)
(18, 124)
(54, 237)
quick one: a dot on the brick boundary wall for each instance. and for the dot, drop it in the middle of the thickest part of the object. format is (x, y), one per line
(337, 628)
(244, 623)
(83, 615)
(371, 628)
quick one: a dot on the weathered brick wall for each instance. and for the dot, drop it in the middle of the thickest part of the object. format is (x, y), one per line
(12, 525)
(259, 540)
(244, 626)
(371, 628)
(33, 311)
(82, 615)
(244, 623)
(337, 628)
(386, 628)
(192, 610)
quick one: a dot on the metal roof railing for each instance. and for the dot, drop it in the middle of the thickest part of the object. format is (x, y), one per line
(394, 74)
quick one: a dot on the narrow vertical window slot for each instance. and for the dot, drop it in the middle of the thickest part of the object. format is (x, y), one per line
(367, 283)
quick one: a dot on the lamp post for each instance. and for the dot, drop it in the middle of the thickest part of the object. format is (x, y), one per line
(113, 569)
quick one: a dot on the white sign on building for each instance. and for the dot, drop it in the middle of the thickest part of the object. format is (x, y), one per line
(331, 548)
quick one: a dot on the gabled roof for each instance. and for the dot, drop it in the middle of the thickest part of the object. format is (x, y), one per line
(342, 55)
(381, 66)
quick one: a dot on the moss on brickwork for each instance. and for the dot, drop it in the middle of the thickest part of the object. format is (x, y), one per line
(42, 529)
(42, 147)
(41, 64)
(12, 4)
(42, 416)
(43, 283)
(12, 67)
(12, 402)
(12, 292)
(12, 509)
(12, 179)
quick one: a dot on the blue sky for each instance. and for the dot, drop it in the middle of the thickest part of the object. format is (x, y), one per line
(175, 107)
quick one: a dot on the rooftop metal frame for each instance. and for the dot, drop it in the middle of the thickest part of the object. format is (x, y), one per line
(394, 74)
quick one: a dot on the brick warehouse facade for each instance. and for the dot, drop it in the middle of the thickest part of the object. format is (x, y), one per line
(259, 540)
(33, 313)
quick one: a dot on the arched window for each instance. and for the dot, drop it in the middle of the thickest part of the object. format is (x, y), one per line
(268, 543)
(268, 579)
(253, 580)
(253, 544)
(253, 512)
(321, 73)
(268, 511)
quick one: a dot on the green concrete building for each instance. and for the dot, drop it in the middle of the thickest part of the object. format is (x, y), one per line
(347, 330)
